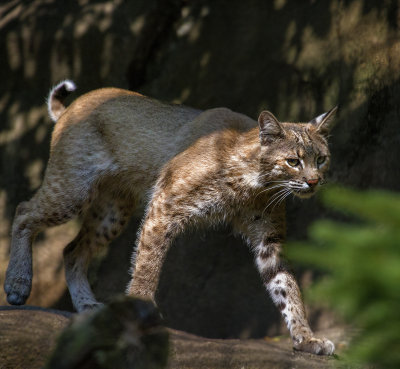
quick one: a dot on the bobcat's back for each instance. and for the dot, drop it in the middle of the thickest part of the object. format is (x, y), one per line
(138, 135)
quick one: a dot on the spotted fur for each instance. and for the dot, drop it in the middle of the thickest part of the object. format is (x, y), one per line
(112, 149)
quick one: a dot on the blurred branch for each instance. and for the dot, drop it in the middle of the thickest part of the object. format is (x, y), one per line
(126, 333)
(363, 265)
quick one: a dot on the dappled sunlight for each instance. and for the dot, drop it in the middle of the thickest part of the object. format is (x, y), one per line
(15, 57)
(296, 59)
(184, 96)
(5, 224)
(21, 123)
(190, 26)
(49, 282)
(34, 174)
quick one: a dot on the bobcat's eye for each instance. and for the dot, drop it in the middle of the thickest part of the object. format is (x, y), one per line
(293, 162)
(321, 160)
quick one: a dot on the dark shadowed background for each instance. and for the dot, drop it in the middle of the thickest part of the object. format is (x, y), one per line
(295, 58)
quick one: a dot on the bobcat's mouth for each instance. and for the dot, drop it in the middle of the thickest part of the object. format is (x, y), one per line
(303, 190)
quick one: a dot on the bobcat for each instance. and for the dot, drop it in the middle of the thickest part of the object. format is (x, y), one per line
(112, 149)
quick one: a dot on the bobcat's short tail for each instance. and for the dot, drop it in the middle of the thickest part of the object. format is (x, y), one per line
(57, 95)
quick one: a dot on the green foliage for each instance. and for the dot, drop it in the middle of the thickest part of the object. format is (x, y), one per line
(361, 259)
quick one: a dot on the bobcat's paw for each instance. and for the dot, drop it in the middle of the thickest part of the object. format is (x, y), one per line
(17, 290)
(316, 346)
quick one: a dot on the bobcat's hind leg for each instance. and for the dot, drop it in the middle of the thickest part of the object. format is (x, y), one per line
(102, 222)
(50, 206)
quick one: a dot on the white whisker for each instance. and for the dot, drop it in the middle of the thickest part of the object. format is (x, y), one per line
(276, 197)
(271, 188)
(282, 199)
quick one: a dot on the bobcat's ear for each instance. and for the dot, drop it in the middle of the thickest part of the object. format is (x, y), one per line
(269, 126)
(324, 122)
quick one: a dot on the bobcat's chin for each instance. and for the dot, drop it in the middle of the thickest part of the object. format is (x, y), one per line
(305, 194)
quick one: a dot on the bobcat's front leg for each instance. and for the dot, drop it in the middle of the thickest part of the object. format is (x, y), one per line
(285, 294)
(161, 225)
(266, 236)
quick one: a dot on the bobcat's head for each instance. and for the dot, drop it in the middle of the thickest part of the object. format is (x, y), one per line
(294, 156)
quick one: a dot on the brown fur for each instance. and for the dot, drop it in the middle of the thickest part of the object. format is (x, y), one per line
(112, 149)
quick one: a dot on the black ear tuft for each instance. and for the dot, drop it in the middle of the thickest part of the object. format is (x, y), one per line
(324, 122)
(269, 126)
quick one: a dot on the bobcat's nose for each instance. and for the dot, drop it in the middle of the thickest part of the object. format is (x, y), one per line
(312, 182)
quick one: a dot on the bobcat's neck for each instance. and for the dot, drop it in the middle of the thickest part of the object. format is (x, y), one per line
(243, 164)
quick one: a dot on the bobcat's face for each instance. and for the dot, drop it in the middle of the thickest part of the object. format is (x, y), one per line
(294, 157)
